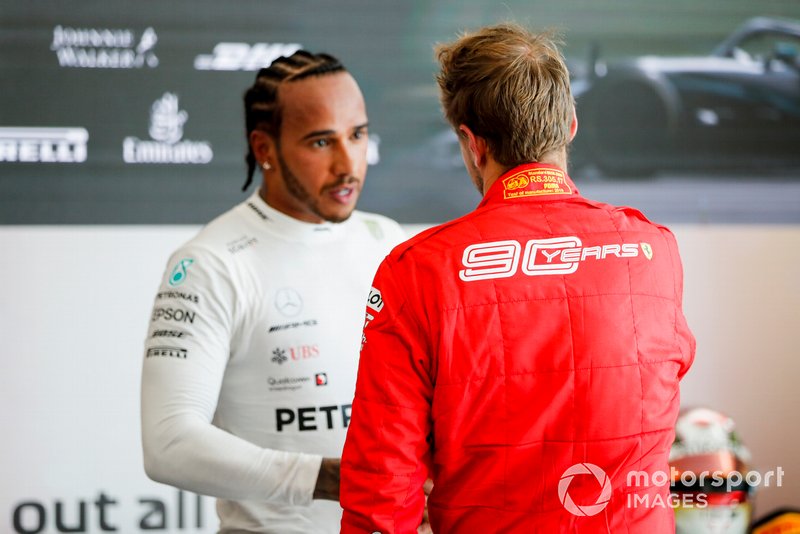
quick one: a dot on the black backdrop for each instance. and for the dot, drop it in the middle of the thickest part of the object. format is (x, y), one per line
(101, 65)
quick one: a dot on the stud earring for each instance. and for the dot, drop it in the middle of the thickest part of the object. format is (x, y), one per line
(266, 166)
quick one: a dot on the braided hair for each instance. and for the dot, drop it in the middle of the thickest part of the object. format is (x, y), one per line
(261, 108)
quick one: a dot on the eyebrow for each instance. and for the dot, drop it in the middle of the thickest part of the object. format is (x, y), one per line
(322, 133)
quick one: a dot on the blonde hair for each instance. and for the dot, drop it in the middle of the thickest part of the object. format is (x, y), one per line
(509, 86)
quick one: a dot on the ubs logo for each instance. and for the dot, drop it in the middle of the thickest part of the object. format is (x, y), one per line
(296, 353)
(288, 301)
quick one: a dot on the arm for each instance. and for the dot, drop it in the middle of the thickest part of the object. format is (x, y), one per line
(685, 337)
(384, 463)
(187, 350)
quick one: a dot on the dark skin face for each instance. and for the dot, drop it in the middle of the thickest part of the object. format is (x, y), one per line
(319, 160)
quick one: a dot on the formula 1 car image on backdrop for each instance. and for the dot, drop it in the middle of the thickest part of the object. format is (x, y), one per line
(738, 107)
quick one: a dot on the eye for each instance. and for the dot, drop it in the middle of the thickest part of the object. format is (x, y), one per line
(359, 134)
(320, 143)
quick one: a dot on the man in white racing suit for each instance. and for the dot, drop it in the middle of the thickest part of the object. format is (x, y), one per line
(252, 351)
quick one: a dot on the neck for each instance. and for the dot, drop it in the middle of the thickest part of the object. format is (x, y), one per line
(493, 170)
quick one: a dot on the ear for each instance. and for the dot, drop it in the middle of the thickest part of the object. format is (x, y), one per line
(477, 146)
(263, 146)
(573, 127)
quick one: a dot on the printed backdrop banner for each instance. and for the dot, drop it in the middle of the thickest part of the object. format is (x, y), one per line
(115, 112)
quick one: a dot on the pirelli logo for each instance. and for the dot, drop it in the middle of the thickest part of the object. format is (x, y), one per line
(43, 145)
(166, 352)
(537, 257)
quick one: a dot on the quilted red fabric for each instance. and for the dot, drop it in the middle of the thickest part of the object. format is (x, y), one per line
(527, 358)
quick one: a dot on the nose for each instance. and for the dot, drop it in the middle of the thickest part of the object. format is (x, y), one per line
(346, 158)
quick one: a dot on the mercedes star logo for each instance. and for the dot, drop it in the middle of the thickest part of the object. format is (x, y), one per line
(288, 301)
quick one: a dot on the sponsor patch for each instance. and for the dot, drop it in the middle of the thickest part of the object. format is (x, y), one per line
(167, 352)
(177, 295)
(536, 182)
(374, 228)
(557, 255)
(311, 418)
(241, 244)
(287, 383)
(289, 326)
(279, 356)
(647, 250)
(295, 353)
(170, 333)
(173, 314)
(375, 300)
(288, 301)
(374, 303)
(178, 274)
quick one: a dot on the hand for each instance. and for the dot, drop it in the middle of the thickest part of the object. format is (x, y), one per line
(328, 480)
(425, 526)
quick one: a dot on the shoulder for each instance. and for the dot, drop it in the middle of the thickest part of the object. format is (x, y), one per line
(216, 236)
(211, 247)
(437, 239)
(628, 217)
(639, 220)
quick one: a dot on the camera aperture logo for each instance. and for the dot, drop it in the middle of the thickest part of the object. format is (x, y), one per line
(603, 482)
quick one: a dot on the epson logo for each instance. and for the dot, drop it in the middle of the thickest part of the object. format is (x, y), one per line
(166, 129)
(167, 352)
(104, 48)
(242, 56)
(173, 314)
(43, 145)
(558, 255)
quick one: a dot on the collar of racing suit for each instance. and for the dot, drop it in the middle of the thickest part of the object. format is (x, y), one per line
(531, 181)
(291, 229)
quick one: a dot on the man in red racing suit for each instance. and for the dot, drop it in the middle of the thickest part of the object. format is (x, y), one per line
(526, 356)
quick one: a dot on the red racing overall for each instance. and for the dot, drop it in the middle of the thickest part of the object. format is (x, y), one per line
(527, 358)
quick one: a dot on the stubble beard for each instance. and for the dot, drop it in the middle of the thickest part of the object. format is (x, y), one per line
(301, 194)
(477, 178)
